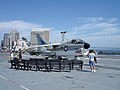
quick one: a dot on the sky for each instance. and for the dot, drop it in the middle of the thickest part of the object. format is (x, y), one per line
(95, 21)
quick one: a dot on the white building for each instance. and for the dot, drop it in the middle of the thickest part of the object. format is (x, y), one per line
(21, 44)
(14, 36)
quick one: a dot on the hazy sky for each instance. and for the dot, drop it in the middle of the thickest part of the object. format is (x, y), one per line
(95, 21)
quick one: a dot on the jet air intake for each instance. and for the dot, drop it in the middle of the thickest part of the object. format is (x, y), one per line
(86, 45)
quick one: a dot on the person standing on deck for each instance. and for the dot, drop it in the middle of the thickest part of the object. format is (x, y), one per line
(91, 55)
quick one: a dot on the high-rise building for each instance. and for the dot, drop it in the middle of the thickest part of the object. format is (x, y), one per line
(44, 33)
(2, 43)
(6, 40)
(14, 36)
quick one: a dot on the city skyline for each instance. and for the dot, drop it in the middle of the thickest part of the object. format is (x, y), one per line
(95, 21)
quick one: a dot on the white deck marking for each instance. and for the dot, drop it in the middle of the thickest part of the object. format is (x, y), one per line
(24, 87)
(3, 77)
(13, 82)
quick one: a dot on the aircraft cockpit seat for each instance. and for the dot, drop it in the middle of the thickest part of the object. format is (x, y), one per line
(77, 41)
(73, 41)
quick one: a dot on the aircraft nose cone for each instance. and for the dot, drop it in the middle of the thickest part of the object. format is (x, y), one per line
(86, 45)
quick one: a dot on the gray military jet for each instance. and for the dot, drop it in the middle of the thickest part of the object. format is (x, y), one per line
(69, 48)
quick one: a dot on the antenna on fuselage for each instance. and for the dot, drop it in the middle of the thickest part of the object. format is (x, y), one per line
(63, 35)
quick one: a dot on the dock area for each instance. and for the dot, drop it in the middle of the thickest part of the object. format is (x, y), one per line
(106, 77)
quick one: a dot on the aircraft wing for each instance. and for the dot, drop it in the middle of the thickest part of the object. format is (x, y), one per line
(45, 45)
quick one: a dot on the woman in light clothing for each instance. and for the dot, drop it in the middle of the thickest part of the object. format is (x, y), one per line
(91, 56)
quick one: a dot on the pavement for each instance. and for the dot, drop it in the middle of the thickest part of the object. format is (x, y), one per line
(106, 77)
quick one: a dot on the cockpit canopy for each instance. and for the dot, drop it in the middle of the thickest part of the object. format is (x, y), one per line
(77, 41)
(80, 41)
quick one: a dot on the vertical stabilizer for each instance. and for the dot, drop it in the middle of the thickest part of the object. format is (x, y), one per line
(40, 40)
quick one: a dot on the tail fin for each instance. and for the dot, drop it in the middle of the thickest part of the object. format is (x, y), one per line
(40, 40)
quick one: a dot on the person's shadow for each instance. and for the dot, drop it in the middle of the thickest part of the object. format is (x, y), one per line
(85, 71)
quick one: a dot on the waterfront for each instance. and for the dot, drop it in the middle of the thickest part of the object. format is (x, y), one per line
(107, 76)
(107, 50)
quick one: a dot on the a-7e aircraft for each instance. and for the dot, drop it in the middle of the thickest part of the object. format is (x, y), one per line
(69, 48)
